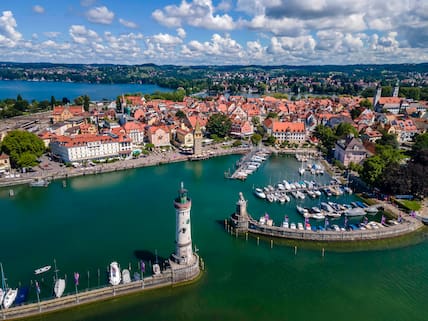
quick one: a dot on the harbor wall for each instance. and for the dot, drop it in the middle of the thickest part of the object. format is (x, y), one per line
(406, 227)
(168, 277)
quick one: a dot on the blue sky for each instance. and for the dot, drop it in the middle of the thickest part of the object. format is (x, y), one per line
(190, 32)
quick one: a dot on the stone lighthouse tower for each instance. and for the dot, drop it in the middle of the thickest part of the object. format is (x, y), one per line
(183, 237)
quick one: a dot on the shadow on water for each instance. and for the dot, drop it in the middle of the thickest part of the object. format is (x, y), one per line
(148, 256)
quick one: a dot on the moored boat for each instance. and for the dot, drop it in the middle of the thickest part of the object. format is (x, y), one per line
(259, 193)
(9, 297)
(22, 295)
(115, 276)
(59, 287)
(42, 269)
(126, 276)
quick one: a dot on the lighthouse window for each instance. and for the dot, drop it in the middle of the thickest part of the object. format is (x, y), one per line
(188, 221)
(183, 230)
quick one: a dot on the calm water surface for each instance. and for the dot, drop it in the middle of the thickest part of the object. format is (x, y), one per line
(98, 219)
(43, 90)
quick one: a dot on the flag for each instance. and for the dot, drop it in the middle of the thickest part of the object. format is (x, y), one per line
(76, 278)
(266, 216)
(143, 266)
(326, 223)
(382, 220)
(37, 287)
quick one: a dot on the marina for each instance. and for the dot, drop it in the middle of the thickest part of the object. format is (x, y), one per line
(242, 222)
(379, 272)
(249, 163)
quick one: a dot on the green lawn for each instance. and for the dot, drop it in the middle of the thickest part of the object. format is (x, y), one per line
(411, 205)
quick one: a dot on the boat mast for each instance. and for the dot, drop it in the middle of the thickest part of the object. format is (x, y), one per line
(3, 279)
(56, 270)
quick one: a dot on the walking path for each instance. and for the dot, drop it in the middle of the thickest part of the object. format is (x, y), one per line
(54, 170)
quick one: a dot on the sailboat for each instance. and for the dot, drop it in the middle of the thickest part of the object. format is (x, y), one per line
(9, 294)
(301, 169)
(59, 286)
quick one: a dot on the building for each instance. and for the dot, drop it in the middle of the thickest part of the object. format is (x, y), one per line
(183, 234)
(135, 131)
(292, 132)
(159, 136)
(184, 138)
(4, 163)
(62, 113)
(197, 139)
(350, 150)
(184, 262)
(81, 148)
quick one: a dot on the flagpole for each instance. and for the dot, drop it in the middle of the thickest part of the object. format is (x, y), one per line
(38, 296)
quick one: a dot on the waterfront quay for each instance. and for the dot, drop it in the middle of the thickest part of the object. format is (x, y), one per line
(175, 275)
(242, 222)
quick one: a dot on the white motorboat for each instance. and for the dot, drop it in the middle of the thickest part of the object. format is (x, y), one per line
(259, 193)
(318, 216)
(357, 211)
(300, 226)
(285, 224)
(42, 269)
(156, 269)
(126, 276)
(115, 276)
(301, 210)
(293, 226)
(59, 287)
(9, 297)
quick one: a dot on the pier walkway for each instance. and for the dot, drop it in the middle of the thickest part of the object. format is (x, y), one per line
(242, 169)
(168, 277)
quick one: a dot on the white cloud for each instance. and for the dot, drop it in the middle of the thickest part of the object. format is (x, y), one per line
(166, 39)
(9, 36)
(52, 34)
(181, 33)
(81, 35)
(128, 24)
(101, 15)
(38, 9)
(197, 13)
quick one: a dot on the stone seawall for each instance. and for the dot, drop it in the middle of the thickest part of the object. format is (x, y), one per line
(168, 277)
(357, 235)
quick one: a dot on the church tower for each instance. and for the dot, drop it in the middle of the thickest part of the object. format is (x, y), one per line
(183, 237)
(396, 90)
(376, 98)
(197, 139)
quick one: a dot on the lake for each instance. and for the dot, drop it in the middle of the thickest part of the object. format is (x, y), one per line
(43, 90)
(110, 217)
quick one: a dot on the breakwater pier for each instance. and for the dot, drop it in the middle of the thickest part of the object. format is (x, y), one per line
(174, 275)
(242, 222)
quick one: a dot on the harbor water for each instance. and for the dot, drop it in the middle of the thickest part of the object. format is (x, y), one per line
(118, 216)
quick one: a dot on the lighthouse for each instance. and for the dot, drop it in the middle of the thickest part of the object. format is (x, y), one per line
(183, 237)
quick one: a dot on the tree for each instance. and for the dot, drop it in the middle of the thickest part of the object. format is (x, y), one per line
(421, 143)
(256, 139)
(237, 143)
(388, 140)
(271, 140)
(372, 170)
(219, 124)
(272, 115)
(326, 136)
(366, 104)
(344, 129)
(180, 114)
(86, 101)
(19, 145)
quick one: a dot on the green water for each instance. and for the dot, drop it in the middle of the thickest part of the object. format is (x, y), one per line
(98, 219)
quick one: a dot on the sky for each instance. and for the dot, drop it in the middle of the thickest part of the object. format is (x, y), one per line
(209, 32)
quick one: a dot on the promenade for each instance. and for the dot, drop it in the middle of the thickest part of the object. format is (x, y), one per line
(51, 170)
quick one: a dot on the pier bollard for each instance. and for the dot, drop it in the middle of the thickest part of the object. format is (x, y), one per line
(236, 233)
(323, 251)
(246, 236)
(225, 224)
(295, 250)
(258, 240)
(271, 243)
